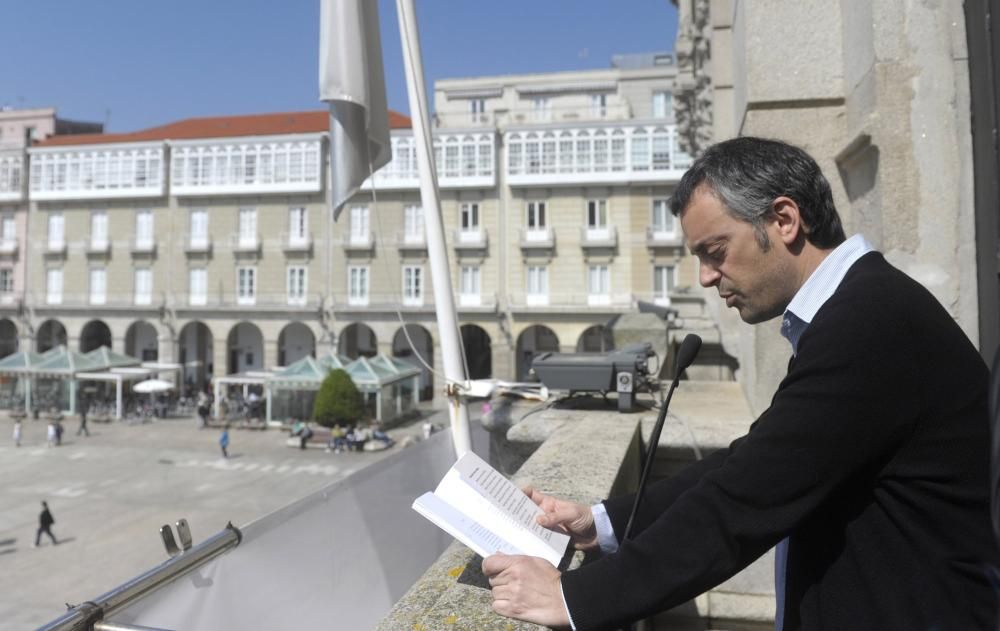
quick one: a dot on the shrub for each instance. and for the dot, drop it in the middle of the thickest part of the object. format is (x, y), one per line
(338, 400)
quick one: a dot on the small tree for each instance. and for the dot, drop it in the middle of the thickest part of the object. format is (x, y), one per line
(338, 400)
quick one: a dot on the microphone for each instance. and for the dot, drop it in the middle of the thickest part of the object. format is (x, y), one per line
(685, 356)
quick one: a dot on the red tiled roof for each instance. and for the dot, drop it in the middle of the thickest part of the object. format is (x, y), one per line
(220, 127)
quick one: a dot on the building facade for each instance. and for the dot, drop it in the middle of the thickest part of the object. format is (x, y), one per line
(209, 241)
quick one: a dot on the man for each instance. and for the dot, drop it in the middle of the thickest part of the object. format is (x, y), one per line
(84, 406)
(45, 521)
(868, 471)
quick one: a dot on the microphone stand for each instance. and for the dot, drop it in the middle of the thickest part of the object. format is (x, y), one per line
(688, 350)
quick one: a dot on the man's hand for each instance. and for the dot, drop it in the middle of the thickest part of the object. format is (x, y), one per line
(569, 518)
(526, 588)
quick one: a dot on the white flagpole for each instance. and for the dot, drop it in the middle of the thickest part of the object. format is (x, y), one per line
(454, 368)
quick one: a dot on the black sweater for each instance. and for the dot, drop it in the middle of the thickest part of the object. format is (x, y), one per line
(872, 458)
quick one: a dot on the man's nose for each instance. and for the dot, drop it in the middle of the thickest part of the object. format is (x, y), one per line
(708, 275)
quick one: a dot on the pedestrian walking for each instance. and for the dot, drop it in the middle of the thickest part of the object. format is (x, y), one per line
(51, 434)
(45, 521)
(84, 404)
(224, 441)
(203, 409)
(17, 433)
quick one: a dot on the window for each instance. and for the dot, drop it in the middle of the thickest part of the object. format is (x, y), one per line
(357, 285)
(536, 222)
(413, 224)
(469, 218)
(598, 285)
(664, 281)
(6, 281)
(664, 225)
(98, 285)
(468, 284)
(597, 216)
(57, 234)
(360, 231)
(477, 110)
(8, 232)
(296, 285)
(599, 105)
(246, 285)
(248, 227)
(663, 105)
(144, 229)
(538, 285)
(542, 109)
(413, 285)
(98, 230)
(298, 225)
(143, 286)
(199, 228)
(54, 284)
(198, 286)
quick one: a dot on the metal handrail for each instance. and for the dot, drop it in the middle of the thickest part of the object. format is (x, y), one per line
(86, 616)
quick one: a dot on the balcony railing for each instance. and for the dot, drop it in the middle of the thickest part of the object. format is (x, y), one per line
(98, 247)
(143, 245)
(8, 247)
(229, 300)
(609, 153)
(562, 300)
(538, 238)
(55, 247)
(382, 301)
(360, 241)
(463, 160)
(658, 237)
(106, 171)
(411, 240)
(471, 239)
(245, 243)
(606, 237)
(296, 242)
(265, 165)
(198, 245)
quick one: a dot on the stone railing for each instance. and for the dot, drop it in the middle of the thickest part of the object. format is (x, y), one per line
(585, 456)
(595, 459)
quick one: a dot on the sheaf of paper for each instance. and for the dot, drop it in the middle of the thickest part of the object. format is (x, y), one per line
(474, 535)
(479, 490)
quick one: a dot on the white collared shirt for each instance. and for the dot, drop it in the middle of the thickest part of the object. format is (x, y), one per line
(820, 286)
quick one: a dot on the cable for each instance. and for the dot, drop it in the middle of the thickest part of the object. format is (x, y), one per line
(397, 294)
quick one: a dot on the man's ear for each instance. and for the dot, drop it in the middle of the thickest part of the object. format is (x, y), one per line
(787, 220)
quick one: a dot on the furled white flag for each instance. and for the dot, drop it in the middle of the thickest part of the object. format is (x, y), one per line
(351, 79)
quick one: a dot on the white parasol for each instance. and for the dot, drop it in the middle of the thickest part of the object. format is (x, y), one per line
(153, 385)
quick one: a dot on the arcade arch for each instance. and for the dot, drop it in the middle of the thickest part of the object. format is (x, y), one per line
(295, 341)
(478, 351)
(142, 341)
(424, 344)
(50, 334)
(244, 348)
(194, 352)
(596, 339)
(357, 340)
(8, 337)
(94, 334)
(534, 340)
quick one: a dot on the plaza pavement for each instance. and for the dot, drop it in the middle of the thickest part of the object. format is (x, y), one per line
(111, 492)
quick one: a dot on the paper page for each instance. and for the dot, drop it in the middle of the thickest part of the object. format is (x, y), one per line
(474, 535)
(498, 501)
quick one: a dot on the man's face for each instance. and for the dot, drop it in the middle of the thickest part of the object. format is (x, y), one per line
(757, 283)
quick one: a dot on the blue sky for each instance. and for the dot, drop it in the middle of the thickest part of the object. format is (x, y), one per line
(139, 63)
